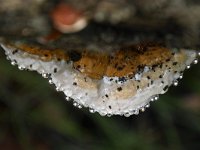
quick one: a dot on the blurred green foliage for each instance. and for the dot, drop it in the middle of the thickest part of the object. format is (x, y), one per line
(34, 116)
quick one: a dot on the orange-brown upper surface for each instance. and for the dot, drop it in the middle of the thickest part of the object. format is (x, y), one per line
(44, 54)
(119, 63)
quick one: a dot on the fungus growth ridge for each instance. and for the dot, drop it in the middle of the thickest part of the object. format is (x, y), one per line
(118, 82)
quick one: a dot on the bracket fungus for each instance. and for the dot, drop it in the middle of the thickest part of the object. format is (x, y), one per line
(106, 70)
(122, 82)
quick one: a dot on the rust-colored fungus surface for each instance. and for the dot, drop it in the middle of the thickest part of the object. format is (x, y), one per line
(119, 63)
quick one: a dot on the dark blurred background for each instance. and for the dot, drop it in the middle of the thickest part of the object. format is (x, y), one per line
(33, 116)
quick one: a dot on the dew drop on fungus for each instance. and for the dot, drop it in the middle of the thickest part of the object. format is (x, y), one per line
(13, 62)
(45, 75)
(152, 99)
(175, 83)
(75, 104)
(102, 113)
(50, 81)
(181, 76)
(142, 109)
(127, 114)
(156, 97)
(79, 106)
(91, 110)
(188, 67)
(21, 67)
(67, 98)
(136, 112)
(58, 89)
(109, 114)
(147, 105)
(196, 61)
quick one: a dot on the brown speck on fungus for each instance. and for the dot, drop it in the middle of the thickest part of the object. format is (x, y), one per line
(119, 89)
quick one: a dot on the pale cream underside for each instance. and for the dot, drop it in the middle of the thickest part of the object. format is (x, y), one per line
(102, 95)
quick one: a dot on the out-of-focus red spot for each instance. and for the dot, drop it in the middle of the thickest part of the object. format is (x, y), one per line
(67, 19)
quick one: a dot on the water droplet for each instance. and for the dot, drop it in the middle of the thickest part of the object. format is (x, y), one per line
(121, 114)
(21, 67)
(79, 106)
(152, 99)
(147, 105)
(181, 76)
(102, 113)
(195, 61)
(136, 111)
(50, 81)
(91, 110)
(67, 98)
(127, 114)
(156, 97)
(198, 53)
(45, 75)
(142, 109)
(175, 83)
(13, 62)
(188, 67)
(109, 114)
(57, 89)
(75, 104)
